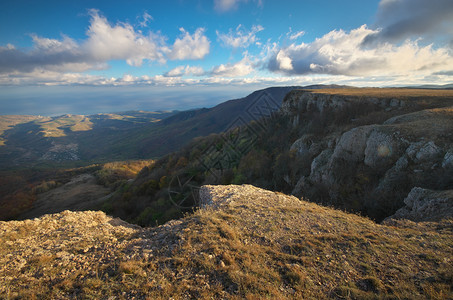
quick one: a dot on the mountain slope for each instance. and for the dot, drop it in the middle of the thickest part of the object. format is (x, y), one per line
(362, 150)
(80, 140)
(33, 147)
(244, 243)
(176, 131)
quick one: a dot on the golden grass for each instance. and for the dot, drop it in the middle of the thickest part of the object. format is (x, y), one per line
(56, 127)
(9, 121)
(259, 246)
(386, 92)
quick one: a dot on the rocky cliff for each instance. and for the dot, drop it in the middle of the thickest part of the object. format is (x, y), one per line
(244, 242)
(402, 139)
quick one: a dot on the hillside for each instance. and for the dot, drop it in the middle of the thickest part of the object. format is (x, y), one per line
(32, 192)
(244, 243)
(77, 140)
(358, 149)
(36, 149)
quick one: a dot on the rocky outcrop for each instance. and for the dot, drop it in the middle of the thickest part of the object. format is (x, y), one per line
(300, 101)
(216, 197)
(426, 205)
(372, 168)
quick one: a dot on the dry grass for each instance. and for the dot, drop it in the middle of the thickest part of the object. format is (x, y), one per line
(8, 122)
(258, 245)
(386, 92)
(56, 127)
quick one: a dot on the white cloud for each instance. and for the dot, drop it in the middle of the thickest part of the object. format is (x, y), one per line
(284, 61)
(240, 38)
(295, 35)
(50, 78)
(196, 71)
(340, 53)
(176, 72)
(120, 41)
(185, 70)
(194, 46)
(46, 77)
(104, 42)
(146, 19)
(241, 68)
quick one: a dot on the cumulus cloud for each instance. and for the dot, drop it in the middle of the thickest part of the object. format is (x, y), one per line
(340, 53)
(104, 42)
(188, 46)
(240, 68)
(47, 53)
(239, 38)
(398, 20)
(121, 41)
(185, 70)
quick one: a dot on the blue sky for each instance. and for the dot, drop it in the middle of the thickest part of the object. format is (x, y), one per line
(147, 51)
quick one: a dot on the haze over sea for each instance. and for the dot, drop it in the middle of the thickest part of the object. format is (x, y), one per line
(86, 100)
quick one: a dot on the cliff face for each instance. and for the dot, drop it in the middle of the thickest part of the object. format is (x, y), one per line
(244, 242)
(405, 142)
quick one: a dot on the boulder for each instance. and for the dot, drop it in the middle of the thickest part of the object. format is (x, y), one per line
(352, 144)
(382, 149)
(423, 151)
(319, 165)
(302, 145)
(422, 205)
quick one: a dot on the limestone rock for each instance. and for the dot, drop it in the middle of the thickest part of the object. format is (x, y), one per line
(426, 205)
(319, 165)
(352, 144)
(215, 197)
(301, 146)
(382, 149)
(423, 151)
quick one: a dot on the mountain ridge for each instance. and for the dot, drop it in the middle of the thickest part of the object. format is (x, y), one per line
(362, 150)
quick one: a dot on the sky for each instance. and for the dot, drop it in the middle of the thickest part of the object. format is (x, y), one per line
(90, 56)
